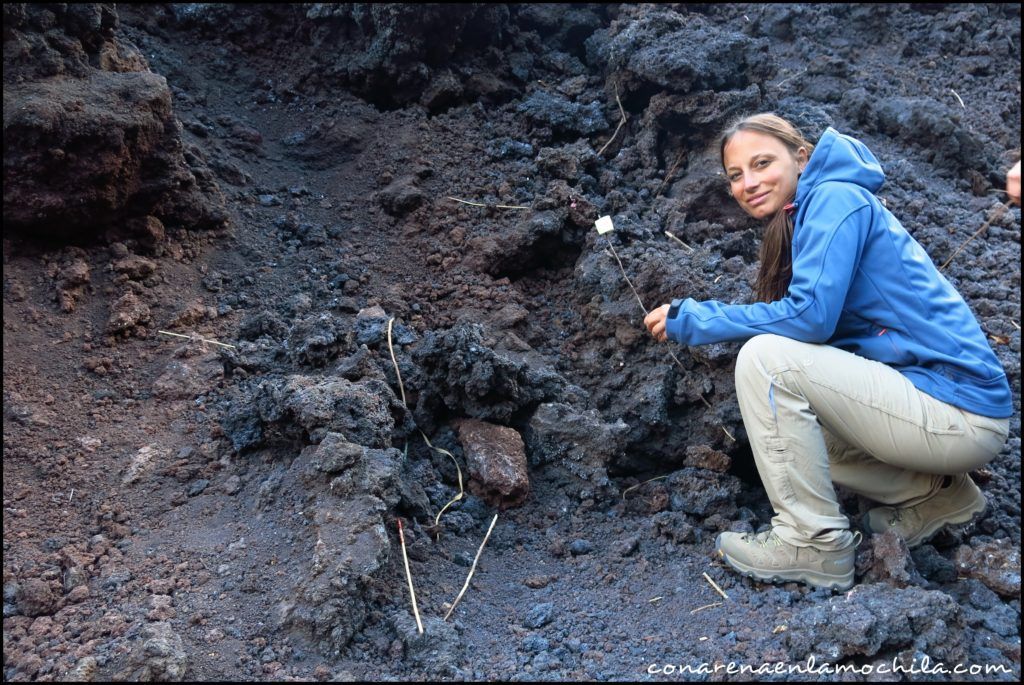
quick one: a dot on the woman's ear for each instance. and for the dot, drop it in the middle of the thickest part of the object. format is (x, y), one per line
(801, 158)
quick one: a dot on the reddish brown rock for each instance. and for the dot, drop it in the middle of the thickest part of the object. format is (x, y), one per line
(704, 457)
(127, 313)
(887, 560)
(135, 267)
(36, 598)
(73, 278)
(996, 564)
(496, 459)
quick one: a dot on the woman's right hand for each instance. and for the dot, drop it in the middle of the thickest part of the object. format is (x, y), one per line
(655, 322)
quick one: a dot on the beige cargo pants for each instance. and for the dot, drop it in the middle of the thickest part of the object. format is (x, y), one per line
(817, 416)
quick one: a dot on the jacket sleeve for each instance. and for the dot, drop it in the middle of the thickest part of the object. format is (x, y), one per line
(826, 251)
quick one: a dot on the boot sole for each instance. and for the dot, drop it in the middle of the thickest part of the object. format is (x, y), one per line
(807, 577)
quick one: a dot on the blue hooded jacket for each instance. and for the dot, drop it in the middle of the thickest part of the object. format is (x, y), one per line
(863, 284)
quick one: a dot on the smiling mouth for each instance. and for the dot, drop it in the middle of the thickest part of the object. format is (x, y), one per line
(754, 201)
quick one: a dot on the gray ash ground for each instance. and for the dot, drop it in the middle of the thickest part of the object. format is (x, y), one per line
(178, 510)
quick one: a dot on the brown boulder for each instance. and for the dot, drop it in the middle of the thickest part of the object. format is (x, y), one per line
(496, 460)
(35, 597)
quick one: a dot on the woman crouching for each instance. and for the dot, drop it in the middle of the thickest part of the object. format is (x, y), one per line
(863, 366)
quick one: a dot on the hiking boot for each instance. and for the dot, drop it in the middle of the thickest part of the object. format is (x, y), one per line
(958, 502)
(767, 557)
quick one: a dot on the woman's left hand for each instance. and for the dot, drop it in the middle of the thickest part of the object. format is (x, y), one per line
(1013, 183)
(655, 322)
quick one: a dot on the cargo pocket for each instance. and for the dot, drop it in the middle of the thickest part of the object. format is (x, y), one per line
(778, 450)
(780, 461)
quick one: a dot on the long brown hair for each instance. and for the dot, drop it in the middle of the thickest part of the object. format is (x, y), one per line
(777, 244)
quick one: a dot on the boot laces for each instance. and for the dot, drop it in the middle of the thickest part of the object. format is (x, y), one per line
(768, 537)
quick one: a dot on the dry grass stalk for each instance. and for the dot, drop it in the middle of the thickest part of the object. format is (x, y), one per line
(702, 398)
(196, 337)
(791, 76)
(621, 123)
(715, 585)
(1016, 325)
(997, 212)
(668, 176)
(706, 606)
(408, 575)
(675, 238)
(395, 361)
(480, 204)
(461, 490)
(958, 98)
(472, 568)
(425, 439)
(634, 487)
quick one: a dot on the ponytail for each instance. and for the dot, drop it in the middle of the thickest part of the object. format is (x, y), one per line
(776, 258)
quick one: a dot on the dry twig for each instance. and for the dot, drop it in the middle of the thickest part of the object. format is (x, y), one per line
(675, 238)
(408, 575)
(959, 99)
(715, 585)
(791, 76)
(706, 606)
(621, 123)
(472, 568)
(668, 176)
(480, 204)
(196, 337)
(997, 212)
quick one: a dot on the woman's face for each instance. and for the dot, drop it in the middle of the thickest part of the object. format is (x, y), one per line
(762, 172)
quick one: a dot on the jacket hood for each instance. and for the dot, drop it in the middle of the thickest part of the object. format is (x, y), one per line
(837, 157)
